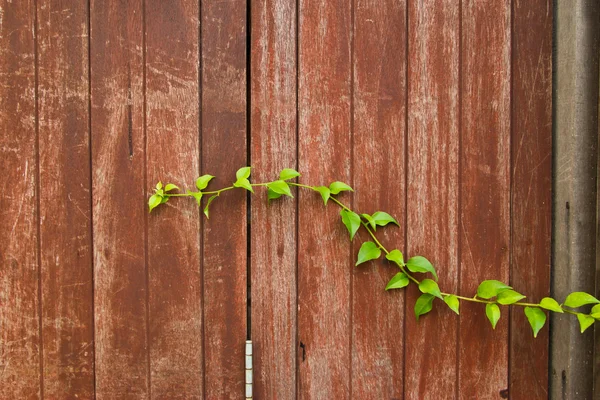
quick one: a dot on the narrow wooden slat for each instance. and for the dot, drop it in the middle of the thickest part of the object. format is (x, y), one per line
(119, 199)
(65, 208)
(324, 265)
(273, 239)
(20, 347)
(531, 190)
(172, 128)
(223, 33)
(379, 170)
(484, 192)
(432, 224)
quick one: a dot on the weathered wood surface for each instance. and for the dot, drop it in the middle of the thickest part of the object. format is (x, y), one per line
(65, 200)
(273, 238)
(378, 161)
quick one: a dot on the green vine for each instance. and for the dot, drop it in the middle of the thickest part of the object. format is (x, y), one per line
(492, 293)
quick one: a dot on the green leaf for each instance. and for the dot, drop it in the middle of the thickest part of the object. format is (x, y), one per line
(399, 281)
(351, 220)
(154, 201)
(170, 187)
(595, 313)
(382, 218)
(396, 256)
(159, 186)
(368, 251)
(164, 200)
(578, 299)
(210, 200)
(280, 187)
(273, 195)
(337, 187)
(244, 183)
(490, 288)
(452, 302)
(242, 173)
(429, 286)
(370, 220)
(202, 182)
(585, 321)
(423, 305)
(550, 304)
(509, 296)
(421, 264)
(493, 313)
(325, 193)
(536, 317)
(196, 195)
(288, 173)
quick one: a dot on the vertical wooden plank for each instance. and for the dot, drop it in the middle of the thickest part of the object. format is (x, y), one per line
(273, 241)
(172, 115)
(433, 127)
(65, 208)
(20, 347)
(378, 162)
(119, 199)
(531, 190)
(484, 192)
(223, 32)
(324, 265)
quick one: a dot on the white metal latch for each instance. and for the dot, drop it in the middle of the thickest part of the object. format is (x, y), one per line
(248, 369)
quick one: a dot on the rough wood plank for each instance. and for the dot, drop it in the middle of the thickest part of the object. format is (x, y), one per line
(119, 199)
(531, 190)
(324, 264)
(65, 208)
(484, 192)
(172, 128)
(223, 153)
(378, 163)
(19, 308)
(433, 126)
(273, 241)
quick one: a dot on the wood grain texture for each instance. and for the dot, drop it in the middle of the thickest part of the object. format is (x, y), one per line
(119, 199)
(324, 264)
(273, 240)
(65, 207)
(224, 235)
(531, 202)
(484, 192)
(378, 162)
(173, 151)
(20, 342)
(432, 205)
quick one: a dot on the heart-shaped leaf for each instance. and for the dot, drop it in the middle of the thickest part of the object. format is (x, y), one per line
(382, 218)
(399, 281)
(368, 251)
(491, 288)
(210, 200)
(351, 220)
(280, 187)
(396, 256)
(431, 287)
(153, 202)
(578, 299)
(509, 296)
(170, 187)
(452, 302)
(421, 264)
(585, 321)
(423, 305)
(242, 173)
(202, 182)
(288, 173)
(370, 220)
(493, 313)
(536, 317)
(550, 304)
(244, 183)
(325, 193)
(337, 187)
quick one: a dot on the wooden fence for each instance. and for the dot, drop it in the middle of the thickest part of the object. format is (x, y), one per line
(436, 111)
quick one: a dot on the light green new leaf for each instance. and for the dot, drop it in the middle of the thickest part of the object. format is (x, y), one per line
(493, 313)
(325, 193)
(421, 264)
(585, 321)
(370, 220)
(382, 218)
(196, 195)
(351, 220)
(288, 173)
(550, 304)
(399, 281)
(423, 305)
(368, 251)
(170, 187)
(509, 296)
(202, 182)
(153, 202)
(242, 173)
(452, 302)
(536, 317)
(159, 186)
(431, 287)
(595, 313)
(396, 256)
(578, 299)
(273, 195)
(337, 187)
(490, 288)
(210, 200)
(244, 183)
(280, 187)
